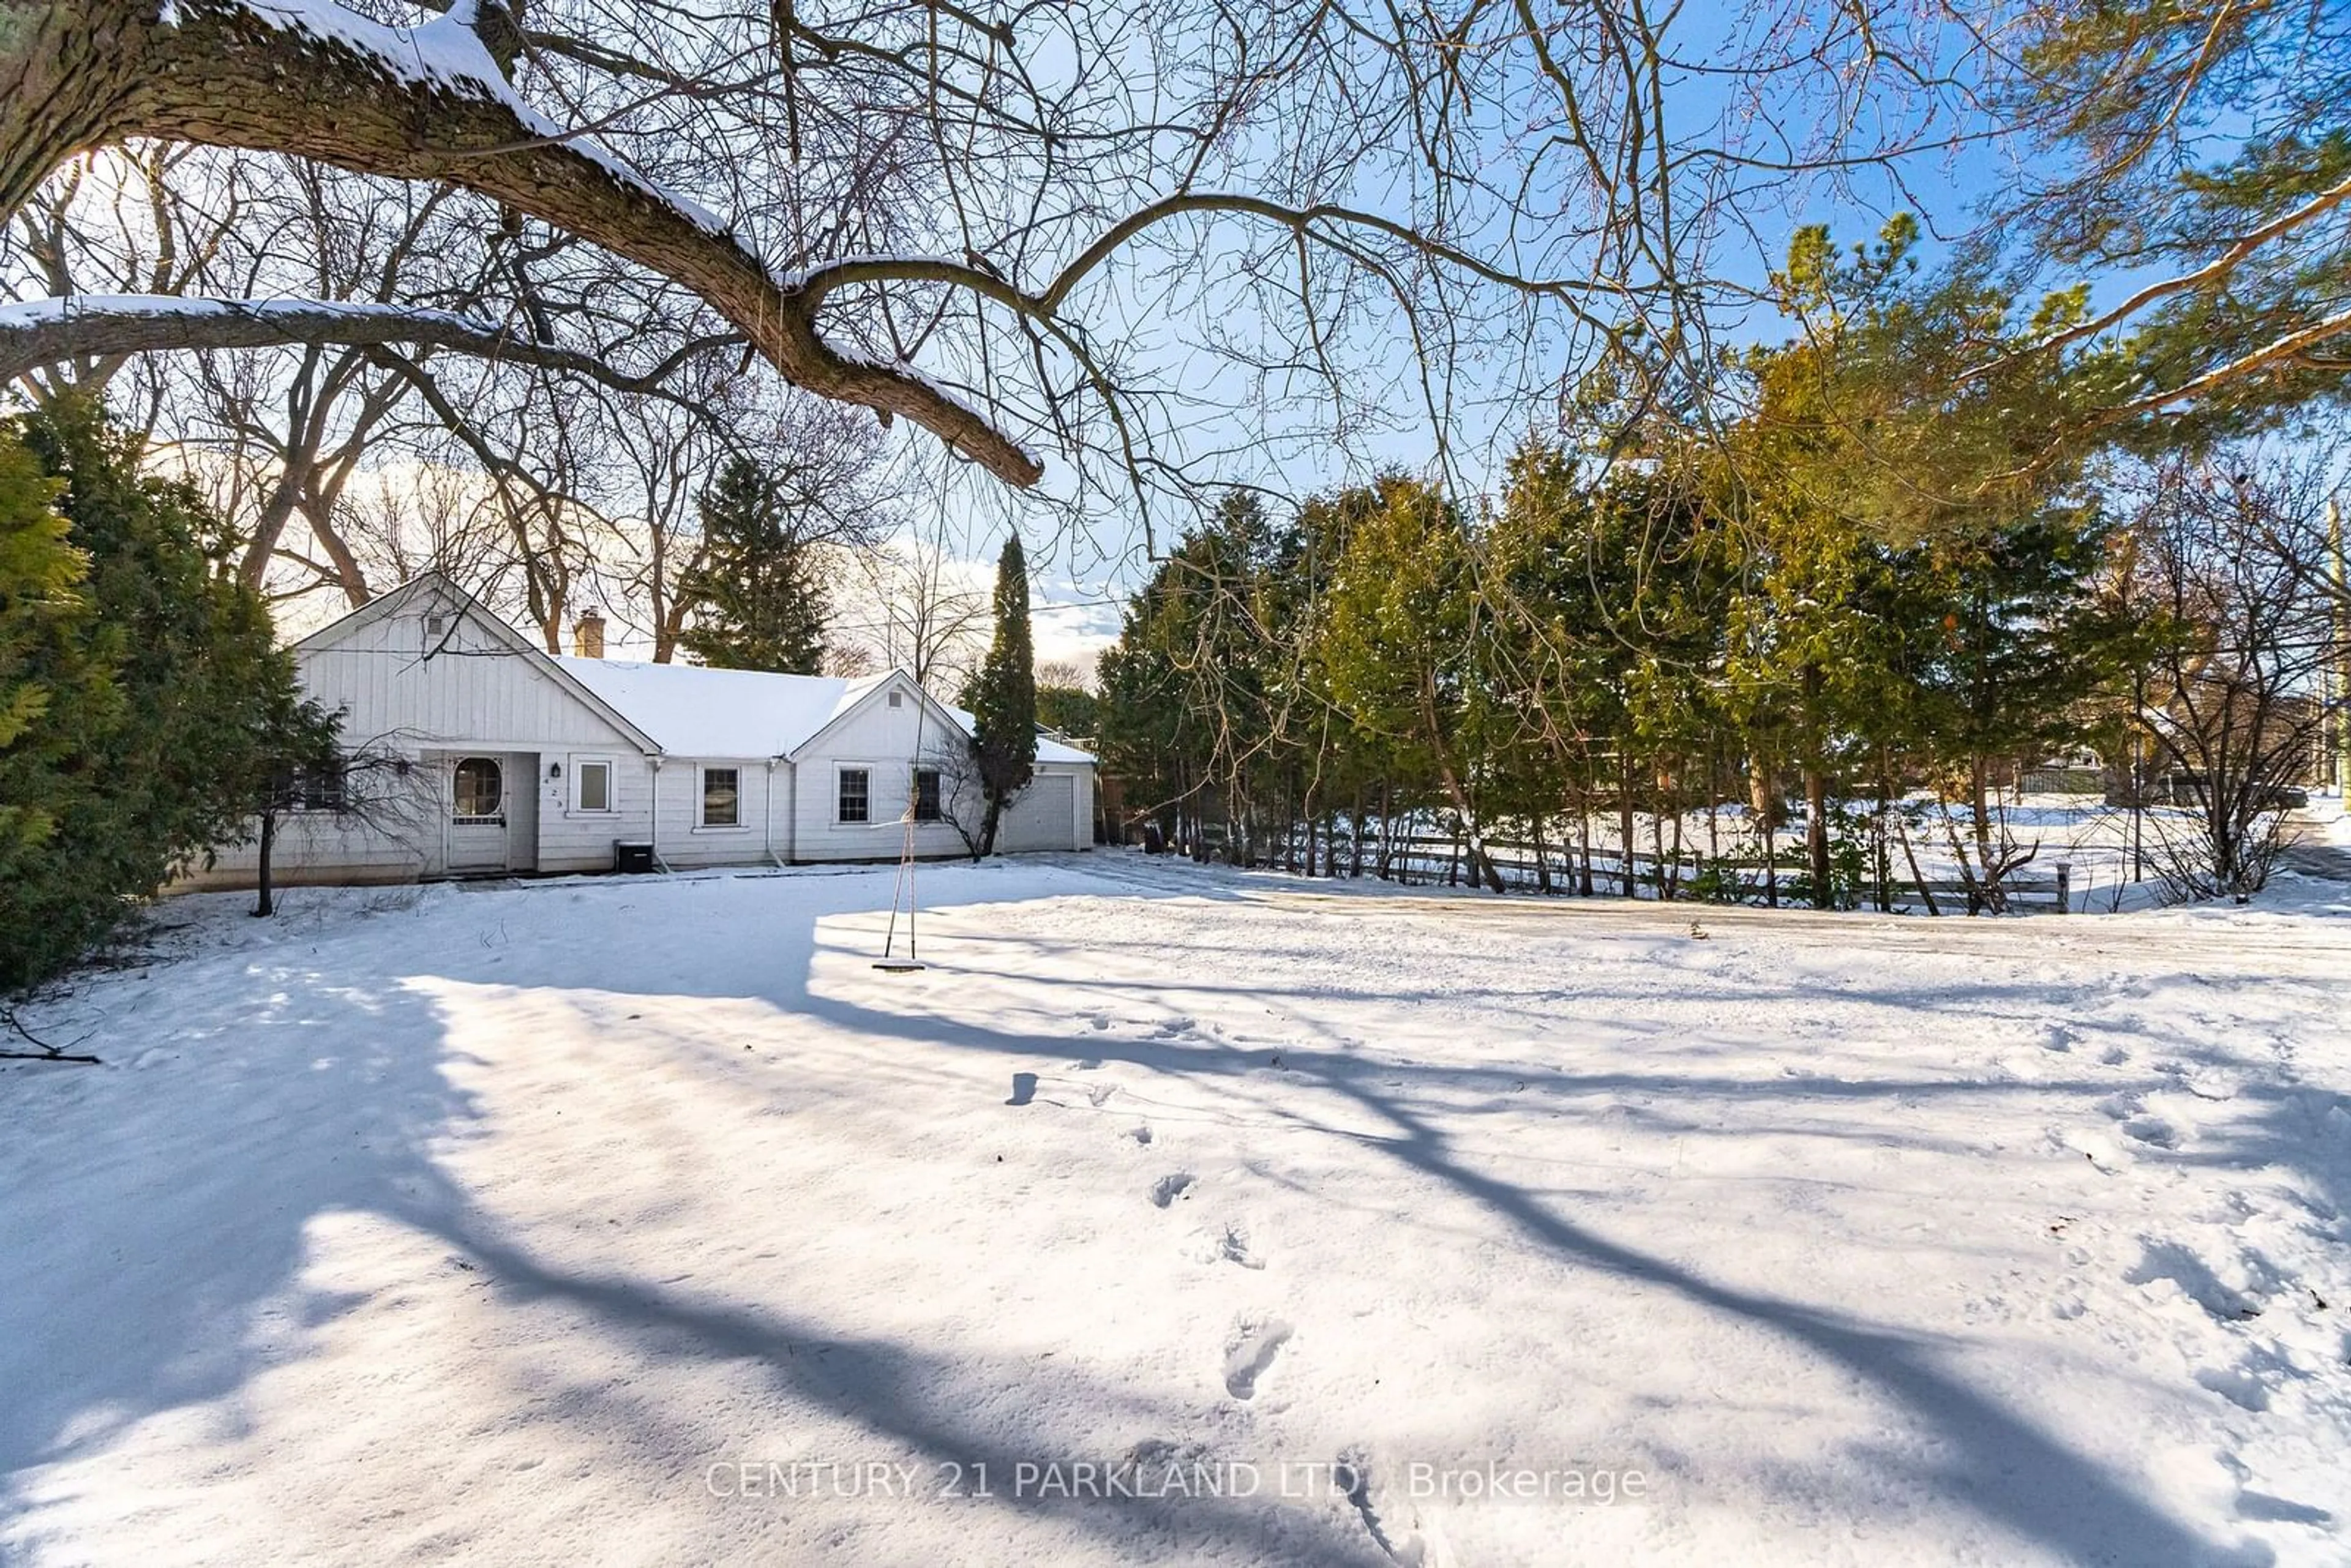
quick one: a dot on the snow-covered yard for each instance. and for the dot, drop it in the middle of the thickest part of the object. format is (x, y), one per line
(584, 1221)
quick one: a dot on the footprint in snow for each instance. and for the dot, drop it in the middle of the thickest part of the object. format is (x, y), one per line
(1142, 1134)
(2206, 1082)
(1233, 1246)
(1024, 1089)
(2153, 1131)
(2169, 1262)
(1100, 1093)
(2251, 1504)
(2239, 1387)
(1254, 1345)
(1168, 1189)
(2099, 1151)
(1409, 1548)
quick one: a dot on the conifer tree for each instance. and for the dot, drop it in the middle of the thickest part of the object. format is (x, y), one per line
(142, 687)
(55, 678)
(1404, 614)
(1003, 698)
(757, 605)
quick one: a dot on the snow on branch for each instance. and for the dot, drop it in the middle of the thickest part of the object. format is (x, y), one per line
(309, 79)
(50, 331)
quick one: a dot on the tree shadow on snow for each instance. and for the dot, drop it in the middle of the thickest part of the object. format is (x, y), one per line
(185, 1212)
(189, 1213)
(1999, 1463)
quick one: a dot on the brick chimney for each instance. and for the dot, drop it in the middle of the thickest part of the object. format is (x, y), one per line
(588, 634)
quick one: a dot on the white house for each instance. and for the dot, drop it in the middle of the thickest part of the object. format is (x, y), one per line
(487, 756)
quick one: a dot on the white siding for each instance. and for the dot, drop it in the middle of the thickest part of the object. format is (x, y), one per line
(472, 693)
(472, 689)
(318, 848)
(884, 741)
(684, 841)
(573, 840)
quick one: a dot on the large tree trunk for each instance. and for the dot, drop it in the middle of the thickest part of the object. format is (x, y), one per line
(1584, 842)
(1763, 798)
(1387, 829)
(1481, 865)
(1988, 868)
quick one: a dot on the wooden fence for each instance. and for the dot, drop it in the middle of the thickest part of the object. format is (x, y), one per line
(1433, 858)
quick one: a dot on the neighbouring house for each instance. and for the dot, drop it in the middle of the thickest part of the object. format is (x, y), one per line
(2274, 744)
(476, 753)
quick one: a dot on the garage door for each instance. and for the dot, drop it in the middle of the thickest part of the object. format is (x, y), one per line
(1040, 817)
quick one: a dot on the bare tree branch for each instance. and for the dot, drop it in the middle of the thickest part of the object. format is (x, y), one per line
(47, 332)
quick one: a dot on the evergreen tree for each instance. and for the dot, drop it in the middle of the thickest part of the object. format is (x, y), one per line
(1212, 713)
(1911, 585)
(2200, 154)
(56, 681)
(1404, 618)
(140, 701)
(756, 602)
(1067, 710)
(1003, 698)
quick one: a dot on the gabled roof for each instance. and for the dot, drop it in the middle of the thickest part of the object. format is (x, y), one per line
(466, 604)
(866, 690)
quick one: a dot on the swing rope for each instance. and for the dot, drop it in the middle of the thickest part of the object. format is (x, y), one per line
(904, 887)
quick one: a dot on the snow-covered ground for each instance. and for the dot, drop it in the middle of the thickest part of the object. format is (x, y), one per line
(2325, 820)
(583, 1221)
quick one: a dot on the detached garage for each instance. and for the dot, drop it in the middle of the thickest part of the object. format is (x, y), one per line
(1046, 815)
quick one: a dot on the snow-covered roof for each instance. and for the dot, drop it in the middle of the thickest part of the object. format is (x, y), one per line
(697, 712)
(691, 711)
(1048, 748)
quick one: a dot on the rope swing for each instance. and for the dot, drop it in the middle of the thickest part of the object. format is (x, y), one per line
(902, 891)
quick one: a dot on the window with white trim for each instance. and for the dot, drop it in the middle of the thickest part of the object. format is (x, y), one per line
(855, 802)
(722, 797)
(926, 795)
(591, 784)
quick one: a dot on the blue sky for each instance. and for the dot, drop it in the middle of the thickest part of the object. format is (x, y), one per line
(1082, 578)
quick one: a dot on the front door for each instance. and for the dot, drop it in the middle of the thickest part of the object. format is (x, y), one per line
(477, 815)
